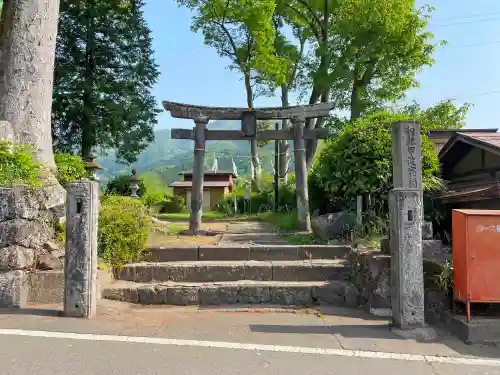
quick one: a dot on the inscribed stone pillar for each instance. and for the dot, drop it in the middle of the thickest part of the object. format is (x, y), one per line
(406, 155)
(80, 271)
(198, 170)
(405, 203)
(299, 150)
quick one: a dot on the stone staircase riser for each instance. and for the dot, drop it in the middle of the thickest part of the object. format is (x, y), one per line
(144, 273)
(240, 253)
(336, 294)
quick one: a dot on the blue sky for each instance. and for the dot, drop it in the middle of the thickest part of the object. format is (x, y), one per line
(467, 69)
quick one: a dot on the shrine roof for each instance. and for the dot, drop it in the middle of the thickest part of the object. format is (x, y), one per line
(209, 173)
(208, 184)
(472, 191)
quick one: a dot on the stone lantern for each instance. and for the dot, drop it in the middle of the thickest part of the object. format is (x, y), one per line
(92, 167)
(134, 184)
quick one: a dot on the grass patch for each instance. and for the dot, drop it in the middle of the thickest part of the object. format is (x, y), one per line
(211, 215)
(283, 221)
(303, 239)
(372, 243)
(161, 234)
(175, 229)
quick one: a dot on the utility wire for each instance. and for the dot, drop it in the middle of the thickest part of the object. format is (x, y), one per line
(466, 16)
(445, 47)
(466, 22)
(474, 44)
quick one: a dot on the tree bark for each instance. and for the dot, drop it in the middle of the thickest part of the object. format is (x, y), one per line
(355, 107)
(88, 126)
(27, 53)
(312, 144)
(320, 91)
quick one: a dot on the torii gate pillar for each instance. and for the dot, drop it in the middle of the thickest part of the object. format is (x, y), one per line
(198, 171)
(299, 151)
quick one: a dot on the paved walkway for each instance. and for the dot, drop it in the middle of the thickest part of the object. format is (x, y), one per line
(127, 339)
(250, 232)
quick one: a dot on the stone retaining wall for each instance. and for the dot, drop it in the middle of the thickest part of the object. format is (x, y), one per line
(372, 275)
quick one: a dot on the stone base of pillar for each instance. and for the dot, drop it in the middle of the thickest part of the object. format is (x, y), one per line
(26, 224)
(407, 281)
(14, 289)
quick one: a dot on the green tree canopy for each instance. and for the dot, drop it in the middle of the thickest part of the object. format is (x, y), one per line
(362, 54)
(103, 78)
(444, 115)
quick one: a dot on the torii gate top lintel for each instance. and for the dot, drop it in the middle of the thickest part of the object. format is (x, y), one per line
(194, 112)
(248, 117)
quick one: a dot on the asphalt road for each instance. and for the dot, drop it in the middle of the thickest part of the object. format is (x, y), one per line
(22, 355)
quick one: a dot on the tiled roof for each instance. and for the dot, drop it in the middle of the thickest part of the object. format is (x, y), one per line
(205, 184)
(479, 189)
(492, 139)
(487, 140)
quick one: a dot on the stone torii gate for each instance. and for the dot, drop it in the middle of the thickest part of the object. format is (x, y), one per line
(248, 117)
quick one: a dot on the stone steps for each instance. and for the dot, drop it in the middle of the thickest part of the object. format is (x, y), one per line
(233, 273)
(245, 252)
(217, 271)
(305, 293)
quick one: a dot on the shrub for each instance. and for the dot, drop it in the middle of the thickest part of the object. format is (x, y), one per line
(445, 278)
(152, 200)
(70, 168)
(17, 165)
(261, 201)
(359, 161)
(123, 230)
(172, 204)
(288, 195)
(120, 185)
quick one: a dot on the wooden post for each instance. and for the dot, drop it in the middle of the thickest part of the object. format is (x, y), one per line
(359, 212)
(299, 150)
(198, 171)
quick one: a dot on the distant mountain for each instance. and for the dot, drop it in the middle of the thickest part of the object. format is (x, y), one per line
(169, 157)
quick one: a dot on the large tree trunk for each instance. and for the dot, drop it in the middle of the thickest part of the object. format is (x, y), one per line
(27, 52)
(88, 125)
(312, 144)
(284, 146)
(254, 148)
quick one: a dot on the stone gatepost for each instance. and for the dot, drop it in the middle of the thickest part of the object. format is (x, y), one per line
(405, 204)
(80, 271)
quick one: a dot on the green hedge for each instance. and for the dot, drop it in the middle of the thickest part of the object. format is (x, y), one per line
(124, 226)
(70, 168)
(17, 165)
(172, 204)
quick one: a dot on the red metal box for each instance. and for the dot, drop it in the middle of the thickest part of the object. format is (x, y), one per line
(476, 256)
